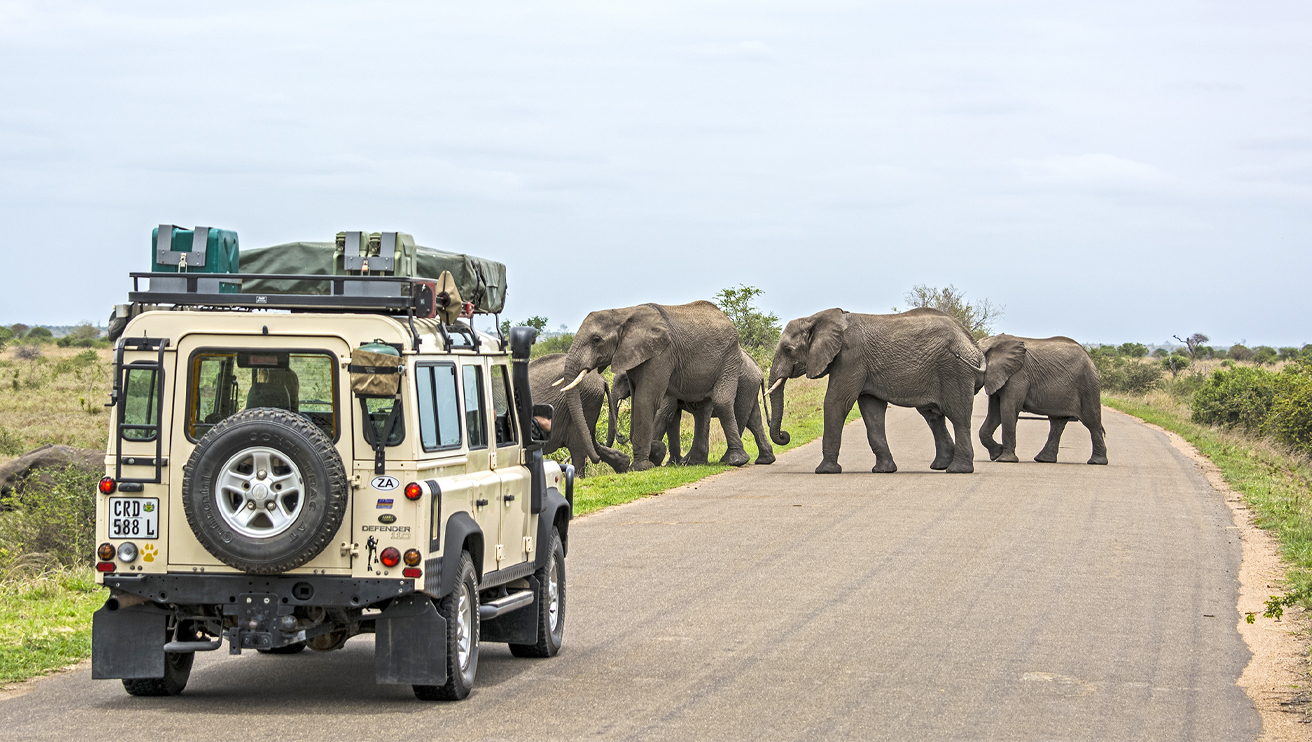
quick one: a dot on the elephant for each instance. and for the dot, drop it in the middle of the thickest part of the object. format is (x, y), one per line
(1053, 377)
(688, 351)
(668, 417)
(567, 431)
(922, 358)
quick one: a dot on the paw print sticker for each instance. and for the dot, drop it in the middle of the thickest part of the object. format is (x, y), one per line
(148, 553)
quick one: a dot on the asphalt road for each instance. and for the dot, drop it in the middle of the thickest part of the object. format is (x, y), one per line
(1024, 602)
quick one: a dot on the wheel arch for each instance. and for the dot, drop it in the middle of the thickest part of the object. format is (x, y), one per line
(462, 534)
(556, 511)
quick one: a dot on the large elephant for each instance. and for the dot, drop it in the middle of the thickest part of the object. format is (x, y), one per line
(1053, 377)
(568, 431)
(689, 352)
(922, 358)
(751, 382)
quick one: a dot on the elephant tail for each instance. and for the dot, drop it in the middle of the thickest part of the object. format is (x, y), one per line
(982, 368)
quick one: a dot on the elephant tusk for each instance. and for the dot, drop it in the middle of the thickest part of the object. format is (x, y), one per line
(576, 381)
(775, 385)
(558, 382)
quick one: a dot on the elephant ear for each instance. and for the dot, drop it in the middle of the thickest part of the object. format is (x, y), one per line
(643, 335)
(1004, 354)
(826, 340)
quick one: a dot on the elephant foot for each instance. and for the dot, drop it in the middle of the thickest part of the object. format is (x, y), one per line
(994, 451)
(964, 467)
(1100, 460)
(658, 452)
(765, 458)
(735, 458)
(1046, 458)
(643, 465)
(1007, 458)
(883, 467)
(937, 465)
(691, 460)
(620, 465)
(829, 467)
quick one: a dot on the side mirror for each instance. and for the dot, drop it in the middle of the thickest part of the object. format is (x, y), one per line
(541, 429)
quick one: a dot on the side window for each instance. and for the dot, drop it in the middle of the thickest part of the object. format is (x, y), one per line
(501, 404)
(139, 403)
(439, 410)
(475, 407)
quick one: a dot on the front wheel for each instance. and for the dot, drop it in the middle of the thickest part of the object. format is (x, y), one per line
(550, 605)
(460, 610)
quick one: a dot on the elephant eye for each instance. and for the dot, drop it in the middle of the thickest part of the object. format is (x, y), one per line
(596, 339)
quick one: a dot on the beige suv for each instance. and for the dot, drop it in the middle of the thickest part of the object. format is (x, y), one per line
(278, 480)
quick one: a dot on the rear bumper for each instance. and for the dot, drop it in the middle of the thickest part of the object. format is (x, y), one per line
(292, 590)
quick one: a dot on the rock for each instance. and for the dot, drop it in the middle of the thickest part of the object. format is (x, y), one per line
(41, 463)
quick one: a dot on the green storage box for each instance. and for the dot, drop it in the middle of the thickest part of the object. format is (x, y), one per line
(200, 250)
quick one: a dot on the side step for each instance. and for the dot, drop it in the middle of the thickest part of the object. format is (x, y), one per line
(502, 606)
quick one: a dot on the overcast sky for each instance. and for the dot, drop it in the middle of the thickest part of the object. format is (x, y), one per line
(1106, 170)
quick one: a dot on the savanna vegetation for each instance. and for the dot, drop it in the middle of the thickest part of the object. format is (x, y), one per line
(1247, 409)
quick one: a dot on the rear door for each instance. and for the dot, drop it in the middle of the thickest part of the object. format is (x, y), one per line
(515, 504)
(487, 487)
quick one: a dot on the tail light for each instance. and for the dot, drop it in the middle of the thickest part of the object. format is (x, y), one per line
(107, 486)
(127, 551)
(106, 552)
(390, 557)
(411, 572)
(412, 557)
(413, 491)
(104, 566)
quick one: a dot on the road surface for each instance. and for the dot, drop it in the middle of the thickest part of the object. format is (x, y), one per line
(1024, 602)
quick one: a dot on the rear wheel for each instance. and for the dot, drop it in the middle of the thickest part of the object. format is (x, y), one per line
(460, 610)
(549, 603)
(177, 669)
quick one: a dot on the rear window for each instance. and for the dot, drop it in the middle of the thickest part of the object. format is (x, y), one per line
(140, 408)
(224, 382)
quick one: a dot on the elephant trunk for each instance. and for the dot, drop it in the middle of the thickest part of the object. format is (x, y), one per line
(776, 411)
(611, 416)
(574, 403)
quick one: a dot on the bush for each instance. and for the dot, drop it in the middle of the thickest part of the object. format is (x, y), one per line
(1240, 353)
(58, 520)
(1264, 354)
(1119, 374)
(1133, 350)
(1290, 419)
(1288, 354)
(28, 352)
(555, 344)
(1238, 398)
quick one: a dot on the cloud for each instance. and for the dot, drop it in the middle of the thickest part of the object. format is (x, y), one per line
(746, 51)
(1093, 172)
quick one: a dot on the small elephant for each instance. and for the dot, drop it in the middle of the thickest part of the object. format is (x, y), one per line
(922, 358)
(688, 351)
(566, 432)
(1053, 377)
(751, 382)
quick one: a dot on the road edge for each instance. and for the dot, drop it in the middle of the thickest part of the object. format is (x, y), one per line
(1276, 678)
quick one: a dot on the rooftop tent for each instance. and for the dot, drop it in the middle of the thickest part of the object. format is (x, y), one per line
(479, 280)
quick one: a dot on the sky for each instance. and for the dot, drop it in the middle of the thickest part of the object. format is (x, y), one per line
(1111, 171)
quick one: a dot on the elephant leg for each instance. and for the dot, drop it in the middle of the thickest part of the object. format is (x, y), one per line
(616, 460)
(837, 404)
(963, 454)
(699, 453)
(1092, 419)
(579, 458)
(1049, 453)
(646, 400)
(765, 453)
(666, 426)
(873, 411)
(991, 422)
(1009, 409)
(726, 391)
(943, 448)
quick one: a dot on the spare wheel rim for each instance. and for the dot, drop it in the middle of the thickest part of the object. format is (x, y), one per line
(260, 492)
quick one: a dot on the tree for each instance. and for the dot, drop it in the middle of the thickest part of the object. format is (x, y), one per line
(1240, 352)
(757, 330)
(1160, 353)
(536, 322)
(84, 331)
(19, 330)
(1264, 354)
(40, 334)
(1193, 343)
(1288, 353)
(1133, 350)
(978, 317)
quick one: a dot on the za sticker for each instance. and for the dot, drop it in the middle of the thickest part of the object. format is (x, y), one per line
(385, 483)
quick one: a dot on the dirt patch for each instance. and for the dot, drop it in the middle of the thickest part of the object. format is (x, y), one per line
(15, 690)
(1278, 677)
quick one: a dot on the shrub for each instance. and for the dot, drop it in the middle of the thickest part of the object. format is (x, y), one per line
(555, 344)
(40, 335)
(1119, 374)
(1240, 353)
(1238, 398)
(1133, 350)
(1264, 354)
(1160, 353)
(1290, 419)
(28, 352)
(1288, 354)
(58, 520)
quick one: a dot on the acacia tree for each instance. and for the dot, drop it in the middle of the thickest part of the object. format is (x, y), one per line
(757, 331)
(1193, 343)
(977, 316)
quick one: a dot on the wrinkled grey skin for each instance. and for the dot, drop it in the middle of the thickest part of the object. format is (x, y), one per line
(39, 466)
(689, 352)
(1053, 377)
(566, 431)
(922, 359)
(751, 383)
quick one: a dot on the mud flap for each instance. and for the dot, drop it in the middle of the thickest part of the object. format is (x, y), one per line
(128, 642)
(517, 627)
(409, 643)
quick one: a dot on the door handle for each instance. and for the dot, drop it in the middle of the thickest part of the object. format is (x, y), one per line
(480, 503)
(509, 498)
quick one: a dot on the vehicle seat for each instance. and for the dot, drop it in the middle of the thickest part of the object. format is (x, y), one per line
(268, 394)
(288, 379)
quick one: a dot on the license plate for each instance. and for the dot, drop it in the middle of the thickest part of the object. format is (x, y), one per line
(134, 517)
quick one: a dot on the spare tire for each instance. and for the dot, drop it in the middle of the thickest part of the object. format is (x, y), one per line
(265, 491)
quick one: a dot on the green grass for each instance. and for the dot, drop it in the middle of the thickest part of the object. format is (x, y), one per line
(1276, 485)
(45, 621)
(803, 419)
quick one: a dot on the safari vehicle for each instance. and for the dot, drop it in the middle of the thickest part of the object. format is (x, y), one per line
(288, 470)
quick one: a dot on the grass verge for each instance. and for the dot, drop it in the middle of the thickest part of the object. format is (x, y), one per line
(1276, 485)
(45, 621)
(803, 419)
